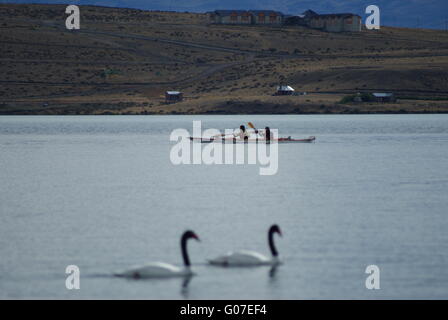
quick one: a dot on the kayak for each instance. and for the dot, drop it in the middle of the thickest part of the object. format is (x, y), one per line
(230, 140)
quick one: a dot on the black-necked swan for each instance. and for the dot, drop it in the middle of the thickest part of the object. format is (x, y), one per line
(161, 269)
(251, 258)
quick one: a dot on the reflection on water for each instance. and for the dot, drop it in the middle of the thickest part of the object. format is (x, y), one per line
(273, 272)
(186, 281)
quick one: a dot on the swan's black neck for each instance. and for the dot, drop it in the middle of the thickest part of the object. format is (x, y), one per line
(271, 242)
(183, 247)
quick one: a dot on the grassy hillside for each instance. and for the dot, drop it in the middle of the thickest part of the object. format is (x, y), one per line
(122, 61)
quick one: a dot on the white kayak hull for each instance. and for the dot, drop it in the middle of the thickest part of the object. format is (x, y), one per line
(231, 140)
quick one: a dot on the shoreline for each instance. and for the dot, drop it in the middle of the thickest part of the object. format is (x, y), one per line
(232, 108)
(222, 114)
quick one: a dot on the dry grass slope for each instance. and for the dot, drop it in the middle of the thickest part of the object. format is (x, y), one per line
(122, 61)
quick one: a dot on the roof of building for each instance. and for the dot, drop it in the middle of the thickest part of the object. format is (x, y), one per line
(285, 88)
(228, 12)
(240, 12)
(382, 94)
(267, 12)
(173, 92)
(309, 13)
(306, 14)
(337, 15)
(299, 17)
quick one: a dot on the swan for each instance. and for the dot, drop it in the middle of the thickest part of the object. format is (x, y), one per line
(161, 269)
(251, 258)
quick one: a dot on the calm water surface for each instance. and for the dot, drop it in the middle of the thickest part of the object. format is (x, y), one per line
(100, 192)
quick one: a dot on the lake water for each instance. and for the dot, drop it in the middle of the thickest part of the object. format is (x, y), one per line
(100, 192)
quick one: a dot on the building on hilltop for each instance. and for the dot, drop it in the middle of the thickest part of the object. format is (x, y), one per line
(339, 22)
(173, 96)
(230, 17)
(266, 17)
(335, 22)
(284, 90)
(384, 97)
(246, 17)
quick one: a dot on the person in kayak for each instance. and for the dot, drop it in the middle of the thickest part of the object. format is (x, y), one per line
(267, 135)
(241, 133)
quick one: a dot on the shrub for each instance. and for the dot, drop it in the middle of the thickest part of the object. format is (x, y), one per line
(365, 97)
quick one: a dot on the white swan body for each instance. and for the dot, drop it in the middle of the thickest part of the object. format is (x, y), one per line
(161, 269)
(244, 258)
(156, 270)
(250, 258)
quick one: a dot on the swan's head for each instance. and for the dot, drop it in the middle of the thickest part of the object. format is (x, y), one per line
(275, 229)
(190, 235)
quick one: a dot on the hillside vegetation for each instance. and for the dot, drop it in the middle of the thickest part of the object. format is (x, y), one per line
(123, 60)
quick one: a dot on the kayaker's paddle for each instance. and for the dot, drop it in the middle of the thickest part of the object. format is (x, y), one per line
(250, 124)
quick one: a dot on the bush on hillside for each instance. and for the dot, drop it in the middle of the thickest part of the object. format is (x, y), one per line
(364, 97)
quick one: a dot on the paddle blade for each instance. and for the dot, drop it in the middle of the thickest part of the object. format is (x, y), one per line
(251, 125)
